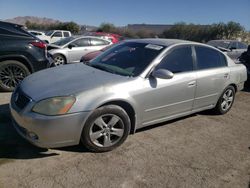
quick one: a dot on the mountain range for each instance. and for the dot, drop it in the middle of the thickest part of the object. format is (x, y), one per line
(23, 19)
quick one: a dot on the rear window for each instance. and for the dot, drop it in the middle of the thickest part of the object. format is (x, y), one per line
(242, 45)
(223, 44)
(10, 29)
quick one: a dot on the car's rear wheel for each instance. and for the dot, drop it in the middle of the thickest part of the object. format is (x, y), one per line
(12, 72)
(59, 60)
(106, 128)
(225, 101)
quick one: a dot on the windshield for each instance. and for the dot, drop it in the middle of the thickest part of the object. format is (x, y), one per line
(63, 41)
(128, 59)
(223, 44)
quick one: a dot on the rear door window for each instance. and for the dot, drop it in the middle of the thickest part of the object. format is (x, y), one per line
(208, 58)
(81, 42)
(98, 42)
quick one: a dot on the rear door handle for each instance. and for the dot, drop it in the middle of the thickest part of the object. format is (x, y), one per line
(191, 84)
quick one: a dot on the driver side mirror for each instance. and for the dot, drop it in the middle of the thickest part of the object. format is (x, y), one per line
(162, 73)
(70, 46)
(232, 48)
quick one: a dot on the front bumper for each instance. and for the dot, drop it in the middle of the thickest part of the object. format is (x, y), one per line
(48, 131)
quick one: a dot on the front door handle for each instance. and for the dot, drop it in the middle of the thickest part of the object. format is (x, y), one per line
(191, 84)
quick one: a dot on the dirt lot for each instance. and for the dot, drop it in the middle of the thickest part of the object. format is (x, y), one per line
(202, 150)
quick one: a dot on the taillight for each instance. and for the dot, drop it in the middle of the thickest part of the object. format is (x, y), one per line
(39, 44)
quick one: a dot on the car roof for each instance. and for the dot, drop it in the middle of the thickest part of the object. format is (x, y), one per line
(223, 40)
(162, 42)
(86, 36)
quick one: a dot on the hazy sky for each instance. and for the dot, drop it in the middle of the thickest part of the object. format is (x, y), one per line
(118, 12)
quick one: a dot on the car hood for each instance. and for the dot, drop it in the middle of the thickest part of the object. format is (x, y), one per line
(67, 80)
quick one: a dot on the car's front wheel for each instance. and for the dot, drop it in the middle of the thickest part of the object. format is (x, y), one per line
(225, 101)
(12, 72)
(106, 128)
(59, 60)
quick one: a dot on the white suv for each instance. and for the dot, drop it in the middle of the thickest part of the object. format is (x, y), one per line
(54, 35)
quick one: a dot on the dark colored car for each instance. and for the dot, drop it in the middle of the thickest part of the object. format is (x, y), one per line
(245, 59)
(21, 54)
(92, 55)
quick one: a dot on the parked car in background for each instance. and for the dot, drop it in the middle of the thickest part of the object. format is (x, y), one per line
(71, 49)
(232, 48)
(54, 35)
(21, 54)
(245, 59)
(91, 55)
(134, 84)
(36, 33)
(114, 38)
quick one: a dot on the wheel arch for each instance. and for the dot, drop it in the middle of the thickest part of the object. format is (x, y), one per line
(129, 110)
(61, 54)
(235, 86)
(21, 59)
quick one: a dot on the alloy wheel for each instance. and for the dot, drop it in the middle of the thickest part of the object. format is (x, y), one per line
(59, 60)
(106, 130)
(12, 75)
(227, 99)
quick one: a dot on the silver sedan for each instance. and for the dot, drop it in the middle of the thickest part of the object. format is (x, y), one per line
(71, 49)
(134, 84)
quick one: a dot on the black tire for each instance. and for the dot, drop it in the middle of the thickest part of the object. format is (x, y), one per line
(12, 72)
(219, 106)
(91, 128)
(59, 60)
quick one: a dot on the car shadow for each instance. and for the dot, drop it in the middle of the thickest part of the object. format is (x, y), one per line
(246, 87)
(163, 123)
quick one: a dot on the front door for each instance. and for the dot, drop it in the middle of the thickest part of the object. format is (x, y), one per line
(79, 49)
(165, 98)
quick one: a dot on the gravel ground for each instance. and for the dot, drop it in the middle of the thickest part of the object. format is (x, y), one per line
(202, 150)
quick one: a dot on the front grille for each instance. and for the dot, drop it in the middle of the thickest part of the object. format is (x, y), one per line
(21, 100)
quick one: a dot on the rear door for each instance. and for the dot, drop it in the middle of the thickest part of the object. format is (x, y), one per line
(212, 76)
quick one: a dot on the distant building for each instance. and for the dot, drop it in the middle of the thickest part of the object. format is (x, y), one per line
(152, 28)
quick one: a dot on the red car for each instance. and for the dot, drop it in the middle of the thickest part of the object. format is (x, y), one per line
(114, 38)
(92, 55)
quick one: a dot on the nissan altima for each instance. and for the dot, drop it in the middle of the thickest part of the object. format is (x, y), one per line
(134, 84)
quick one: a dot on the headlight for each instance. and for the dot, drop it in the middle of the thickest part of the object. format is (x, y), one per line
(54, 106)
